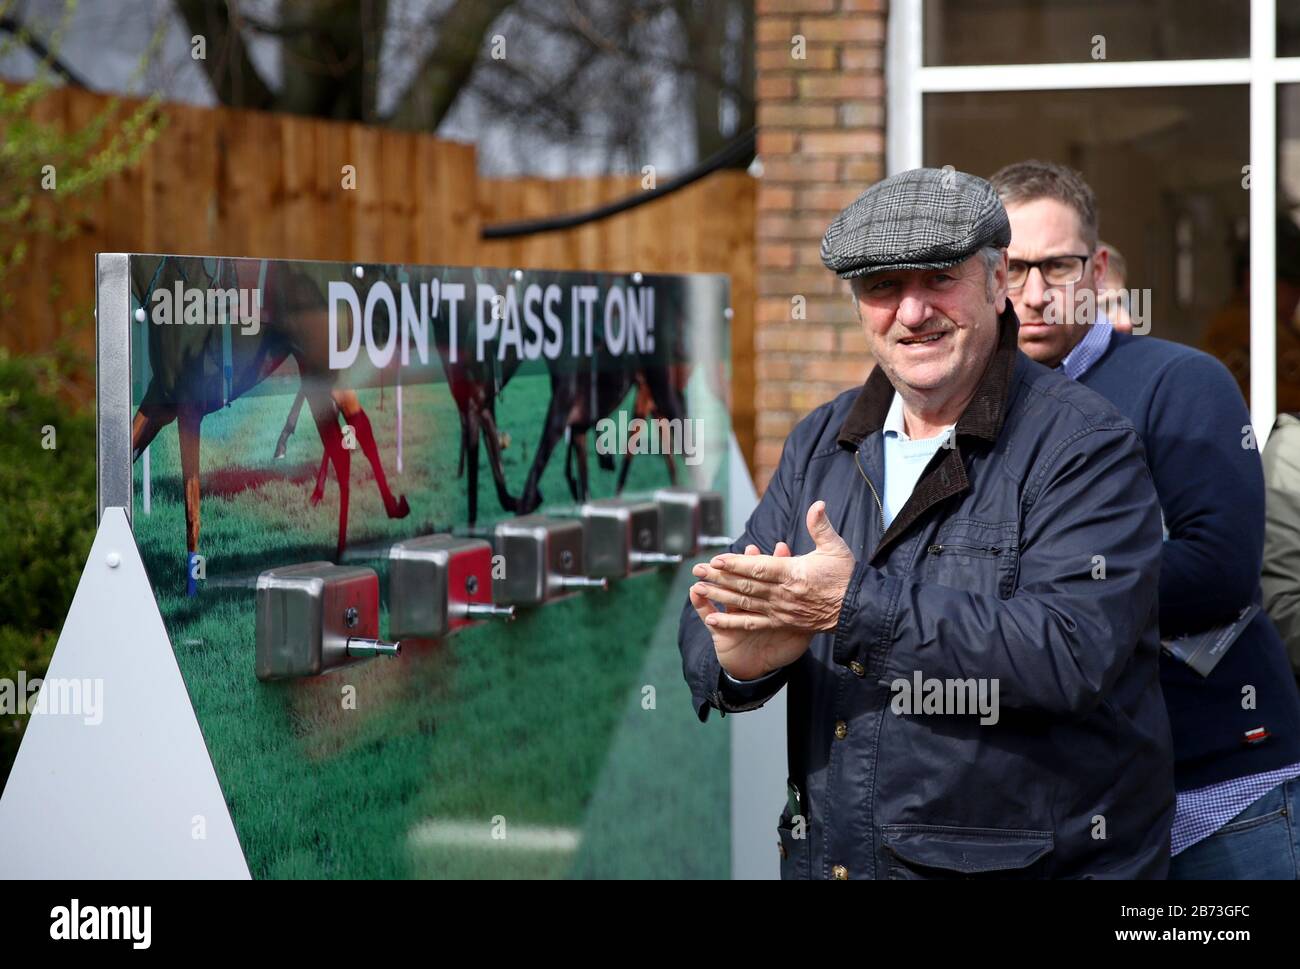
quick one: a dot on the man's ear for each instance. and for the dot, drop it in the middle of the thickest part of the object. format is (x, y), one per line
(1100, 263)
(853, 297)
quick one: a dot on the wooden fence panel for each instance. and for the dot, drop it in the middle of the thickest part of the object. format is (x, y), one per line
(227, 182)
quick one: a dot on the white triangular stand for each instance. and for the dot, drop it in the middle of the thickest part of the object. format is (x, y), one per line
(133, 795)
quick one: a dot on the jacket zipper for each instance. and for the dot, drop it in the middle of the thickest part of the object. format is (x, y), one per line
(880, 509)
(940, 549)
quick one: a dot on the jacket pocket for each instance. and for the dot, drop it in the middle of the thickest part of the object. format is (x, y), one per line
(793, 846)
(973, 557)
(935, 851)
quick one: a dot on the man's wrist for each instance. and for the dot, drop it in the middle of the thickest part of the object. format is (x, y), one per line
(757, 679)
(735, 695)
(833, 620)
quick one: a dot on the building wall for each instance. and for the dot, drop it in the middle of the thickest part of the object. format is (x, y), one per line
(821, 142)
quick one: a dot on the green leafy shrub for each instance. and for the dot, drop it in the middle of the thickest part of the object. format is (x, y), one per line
(47, 517)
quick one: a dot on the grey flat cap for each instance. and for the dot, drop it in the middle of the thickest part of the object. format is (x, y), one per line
(926, 218)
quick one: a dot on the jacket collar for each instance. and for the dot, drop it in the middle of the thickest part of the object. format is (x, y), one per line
(982, 417)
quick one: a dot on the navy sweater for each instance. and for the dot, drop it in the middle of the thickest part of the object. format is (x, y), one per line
(1206, 466)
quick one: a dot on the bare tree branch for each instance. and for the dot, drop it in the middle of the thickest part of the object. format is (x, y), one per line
(24, 35)
(444, 72)
(603, 44)
(334, 55)
(234, 78)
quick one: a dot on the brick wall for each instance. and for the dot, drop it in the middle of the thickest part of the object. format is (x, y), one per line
(821, 141)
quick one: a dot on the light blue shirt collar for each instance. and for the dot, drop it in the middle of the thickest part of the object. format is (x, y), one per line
(905, 459)
(894, 423)
(1089, 350)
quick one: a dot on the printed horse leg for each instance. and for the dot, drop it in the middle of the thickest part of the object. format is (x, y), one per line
(187, 427)
(668, 405)
(665, 435)
(318, 493)
(472, 429)
(355, 415)
(568, 471)
(578, 445)
(642, 406)
(148, 421)
(290, 425)
(557, 415)
(492, 435)
(464, 444)
(331, 437)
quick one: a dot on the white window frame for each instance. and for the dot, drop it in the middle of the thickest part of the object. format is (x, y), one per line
(908, 81)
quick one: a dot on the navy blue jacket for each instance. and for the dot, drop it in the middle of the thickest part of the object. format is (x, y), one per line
(1028, 553)
(1206, 466)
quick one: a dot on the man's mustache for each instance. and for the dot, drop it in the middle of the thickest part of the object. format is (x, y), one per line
(924, 331)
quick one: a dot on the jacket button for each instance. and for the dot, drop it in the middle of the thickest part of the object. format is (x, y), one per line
(858, 669)
(840, 873)
(841, 729)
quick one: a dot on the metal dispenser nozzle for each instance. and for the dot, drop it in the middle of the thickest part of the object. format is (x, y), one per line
(623, 536)
(438, 583)
(543, 559)
(315, 617)
(692, 520)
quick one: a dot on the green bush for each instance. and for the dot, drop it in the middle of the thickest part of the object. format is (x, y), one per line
(47, 518)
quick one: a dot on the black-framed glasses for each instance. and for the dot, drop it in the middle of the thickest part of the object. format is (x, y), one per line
(1056, 270)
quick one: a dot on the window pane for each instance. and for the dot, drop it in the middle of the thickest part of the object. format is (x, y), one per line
(1228, 335)
(965, 32)
(1166, 166)
(1288, 248)
(1288, 29)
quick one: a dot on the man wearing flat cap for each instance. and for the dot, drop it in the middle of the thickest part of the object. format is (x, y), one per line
(953, 572)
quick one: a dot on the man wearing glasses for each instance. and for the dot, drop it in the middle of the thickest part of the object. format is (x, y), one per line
(1236, 722)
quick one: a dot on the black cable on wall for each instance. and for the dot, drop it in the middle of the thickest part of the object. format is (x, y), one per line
(741, 149)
